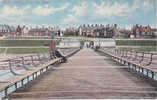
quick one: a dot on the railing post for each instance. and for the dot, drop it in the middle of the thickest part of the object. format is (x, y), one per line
(135, 57)
(22, 82)
(33, 76)
(126, 54)
(27, 79)
(152, 75)
(129, 65)
(10, 64)
(151, 59)
(23, 62)
(46, 68)
(10, 67)
(41, 71)
(6, 91)
(15, 86)
(39, 57)
(147, 73)
(142, 57)
(32, 59)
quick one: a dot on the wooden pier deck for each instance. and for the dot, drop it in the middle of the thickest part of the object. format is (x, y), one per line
(88, 75)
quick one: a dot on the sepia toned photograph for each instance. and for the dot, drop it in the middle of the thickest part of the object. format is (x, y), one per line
(78, 49)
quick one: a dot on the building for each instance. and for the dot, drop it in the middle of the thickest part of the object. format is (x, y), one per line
(141, 31)
(25, 31)
(39, 32)
(4, 30)
(98, 30)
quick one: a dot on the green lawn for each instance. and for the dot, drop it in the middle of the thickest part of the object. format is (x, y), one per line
(33, 37)
(27, 50)
(2, 50)
(7, 43)
(145, 49)
(136, 42)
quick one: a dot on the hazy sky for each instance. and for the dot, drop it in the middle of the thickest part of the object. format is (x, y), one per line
(70, 12)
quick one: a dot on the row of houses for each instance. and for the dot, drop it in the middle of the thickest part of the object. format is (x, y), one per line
(143, 31)
(109, 31)
(93, 30)
(27, 30)
(5, 29)
(98, 30)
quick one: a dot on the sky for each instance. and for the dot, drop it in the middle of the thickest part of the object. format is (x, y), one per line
(73, 12)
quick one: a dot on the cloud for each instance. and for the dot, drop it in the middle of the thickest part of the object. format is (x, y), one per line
(106, 9)
(13, 11)
(47, 10)
(70, 18)
(148, 4)
(109, 9)
(80, 10)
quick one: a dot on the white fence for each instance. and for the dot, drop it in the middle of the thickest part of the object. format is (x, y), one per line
(105, 42)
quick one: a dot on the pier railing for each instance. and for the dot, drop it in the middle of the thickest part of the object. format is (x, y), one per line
(144, 63)
(34, 66)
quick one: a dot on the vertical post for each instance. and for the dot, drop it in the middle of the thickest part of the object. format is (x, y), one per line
(124, 62)
(147, 73)
(6, 91)
(129, 65)
(41, 71)
(27, 79)
(33, 76)
(46, 68)
(152, 75)
(22, 82)
(23, 62)
(135, 56)
(138, 69)
(36, 74)
(142, 57)
(135, 67)
(126, 55)
(39, 59)
(32, 59)
(15, 86)
(10, 65)
(151, 59)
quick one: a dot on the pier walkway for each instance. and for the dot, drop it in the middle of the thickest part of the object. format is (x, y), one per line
(88, 74)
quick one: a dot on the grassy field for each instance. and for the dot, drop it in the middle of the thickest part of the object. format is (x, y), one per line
(31, 37)
(144, 49)
(136, 42)
(27, 50)
(7, 43)
(2, 50)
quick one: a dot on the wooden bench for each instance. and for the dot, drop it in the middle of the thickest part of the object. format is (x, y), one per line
(143, 69)
(29, 75)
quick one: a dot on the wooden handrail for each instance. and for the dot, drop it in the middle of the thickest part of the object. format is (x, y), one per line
(30, 73)
(122, 59)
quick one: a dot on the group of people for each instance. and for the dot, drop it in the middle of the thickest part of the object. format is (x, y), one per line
(59, 54)
(90, 45)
